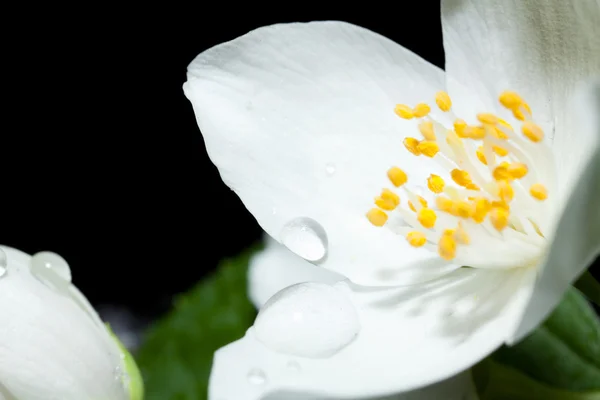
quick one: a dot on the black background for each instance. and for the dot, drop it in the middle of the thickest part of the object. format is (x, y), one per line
(102, 161)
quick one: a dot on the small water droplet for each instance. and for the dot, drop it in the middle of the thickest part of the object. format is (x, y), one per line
(330, 169)
(306, 238)
(293, 366)
(309, 319)
(3, 263)
(256, 376)
(47, 260)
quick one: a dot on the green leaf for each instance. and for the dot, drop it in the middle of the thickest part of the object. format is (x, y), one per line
(589, 286)
(564, 352)
(176, 356)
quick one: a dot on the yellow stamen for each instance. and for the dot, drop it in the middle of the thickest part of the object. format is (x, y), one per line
(444, 204)
(389, 195)
(426, 217)
(426, 129)
(505, 191)
(397, 176)
(510, 99)
(517, 170)
(461, 177)
(443, 101)
(404, 111)
(501, 172)
(501, 151)
(412, 145)
(472, 186)
(532, 131)
(487, 118)
(474, 132)
(421, 110)
(377, 217)
(463, 209)
(435, 183)
(500, 204)
(538, 191)
(522, 112)
(447, 246)
(482, 206)
(499, 218)
(421, 200)
(428, 148)
(461, 235)
(388, 200)
(480, 155)
(459, 127)
(416, 239)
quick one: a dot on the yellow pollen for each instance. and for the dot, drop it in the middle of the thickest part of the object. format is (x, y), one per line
(421, 110)
(444, 204)
(517, 170)
(389, 195)
(501, 172)
(538, 191)
(377, 217)
(461, 178)
(505, 191)
(487, 118)
(421, 200)
(404, 111)
(482, 206)
(472, 186)
(497, 133)
(426, 129)
(506, 125)
(518, 112)
(474, 132)
(499, 218)
(510, 99)
(416, 239)
(501, 151)
(428, 148)
(481, 156)
(435, 183)
(443, 101)
(397, 176)
(499, 204)
(388, 200)
(426, 217)
(461, 235)
(412, 145)
(463, 209)
(459, 127)
(532, 131)
(447, 246)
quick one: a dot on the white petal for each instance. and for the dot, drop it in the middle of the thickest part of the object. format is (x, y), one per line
(576, 242)
(275, 268)
(543, 49)
(408, 338)
(299, 120)
(51, 347)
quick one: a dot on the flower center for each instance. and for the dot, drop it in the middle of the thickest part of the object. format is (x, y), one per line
(490, 209)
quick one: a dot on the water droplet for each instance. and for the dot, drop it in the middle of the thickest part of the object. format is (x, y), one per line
(293, 366)
(47, 260)
(306, 238)
(3, 263)
(256, 376)
(309, 319)
(330, 169)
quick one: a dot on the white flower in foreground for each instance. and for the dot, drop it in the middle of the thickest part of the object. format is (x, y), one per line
(54, 345)
(302, 121)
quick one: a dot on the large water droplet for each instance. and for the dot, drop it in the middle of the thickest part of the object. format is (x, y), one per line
(47, 260)
(256, 376)
(3, 263)
(330, 169)
(307, 319)
(306, 238)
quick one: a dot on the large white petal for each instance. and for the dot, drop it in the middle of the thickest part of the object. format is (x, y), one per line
(52, 345)
(409, 337)
(299, 120)
(577, 239)
(542, 49)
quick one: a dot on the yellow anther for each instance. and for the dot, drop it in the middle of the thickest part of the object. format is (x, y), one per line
(505, 191)
(385, 204)
(532, 131)
(426, 129)
(499, 218)
(459, 127)
(435, 183)
(499, 134)
(377, 217)
(472, 186)
(412, 145)
(421, 110)
(461, 177)
(397, 176)
(522, 112)
(506, 125)
(480, 155)
(463, 209)
(474, 132)
(444, 204)
(517, 170)
(416, 239)
(482, 207)
(447, 246)
(501, 151)
(501, 172)
(426, 217)
(461, 235)
(487, 118)
(404, 111)
(428, 148)
(510, 99)
(538, 191)
(387, 194)
(443, 101)
(499, 204)
(421, 200)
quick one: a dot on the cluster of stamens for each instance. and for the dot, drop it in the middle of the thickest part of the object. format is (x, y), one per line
(478, 198)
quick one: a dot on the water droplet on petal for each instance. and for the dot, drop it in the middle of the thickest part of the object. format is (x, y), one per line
(307, 319)
(3, 263)
(306, 238)
(256, 376)
(47, 260)
(330, 169)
